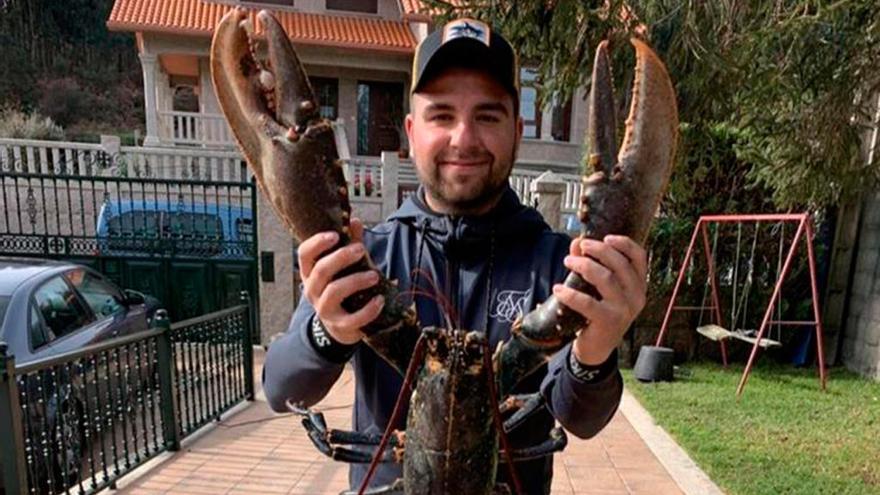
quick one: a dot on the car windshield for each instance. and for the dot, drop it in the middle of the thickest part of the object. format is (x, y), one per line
(138, 223)
(4, 303)
(176, 224)
(191, 233)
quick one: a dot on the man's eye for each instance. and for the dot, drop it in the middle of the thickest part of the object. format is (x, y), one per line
(490, 118)
(442, 117)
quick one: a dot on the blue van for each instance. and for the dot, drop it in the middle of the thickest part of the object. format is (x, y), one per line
(175, 229)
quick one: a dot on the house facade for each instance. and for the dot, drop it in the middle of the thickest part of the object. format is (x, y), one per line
(358, 54)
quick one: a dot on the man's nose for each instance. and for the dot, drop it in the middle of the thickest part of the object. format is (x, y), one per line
(464, 135)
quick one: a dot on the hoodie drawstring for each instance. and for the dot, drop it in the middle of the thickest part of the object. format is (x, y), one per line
(414, 273)
(491, 269)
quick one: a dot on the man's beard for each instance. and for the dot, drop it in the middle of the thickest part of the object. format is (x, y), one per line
(477, 196)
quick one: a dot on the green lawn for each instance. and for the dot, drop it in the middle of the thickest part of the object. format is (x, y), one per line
(783, 436)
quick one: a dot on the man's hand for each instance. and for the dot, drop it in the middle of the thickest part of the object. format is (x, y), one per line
(326, 294)
(618, 269)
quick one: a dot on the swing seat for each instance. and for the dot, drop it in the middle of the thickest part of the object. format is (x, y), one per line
(718, 333)
(714, 332)
(746, 336)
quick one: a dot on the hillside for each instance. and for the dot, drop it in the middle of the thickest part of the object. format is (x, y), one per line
(58, 58)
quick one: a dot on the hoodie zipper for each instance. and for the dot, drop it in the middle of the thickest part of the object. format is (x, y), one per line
(454, 275)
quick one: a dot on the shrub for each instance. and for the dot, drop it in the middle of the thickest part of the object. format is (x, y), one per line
(65, 101)
(17, 124)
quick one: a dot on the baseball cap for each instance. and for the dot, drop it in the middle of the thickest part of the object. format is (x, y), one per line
(467, 43)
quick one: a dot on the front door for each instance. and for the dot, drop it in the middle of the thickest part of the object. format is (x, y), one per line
(380, 117)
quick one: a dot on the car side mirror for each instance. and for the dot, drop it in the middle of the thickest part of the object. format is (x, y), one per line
(133, 298)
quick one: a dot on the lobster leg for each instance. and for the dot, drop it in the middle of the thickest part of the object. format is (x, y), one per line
(328, 441)
(620, 196)
(555, 443)
(273, 114)
(524, 405)
(394, 488)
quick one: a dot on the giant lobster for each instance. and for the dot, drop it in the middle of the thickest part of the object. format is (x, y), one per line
(454, 432)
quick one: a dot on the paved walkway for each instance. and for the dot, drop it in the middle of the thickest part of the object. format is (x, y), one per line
(256, 451)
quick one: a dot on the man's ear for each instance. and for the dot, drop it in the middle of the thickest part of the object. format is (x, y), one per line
(520, 125)
(408, 125)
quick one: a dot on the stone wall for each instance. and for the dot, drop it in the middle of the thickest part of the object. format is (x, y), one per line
(861, 340)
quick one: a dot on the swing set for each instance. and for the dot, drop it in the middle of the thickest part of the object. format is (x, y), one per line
(715, 330)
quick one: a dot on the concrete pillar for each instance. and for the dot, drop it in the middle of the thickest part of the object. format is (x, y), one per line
(419, 30)
(111, 145)
(579, 108)
(340, 134)
(390, 181)
(548, 189)
(348, 110)
(545, 133)
(276, 297)
(207, 97)
(148, 64)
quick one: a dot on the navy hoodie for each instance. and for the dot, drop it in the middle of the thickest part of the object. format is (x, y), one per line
(490, 268)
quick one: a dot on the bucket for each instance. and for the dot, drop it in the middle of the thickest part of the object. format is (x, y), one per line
(654, 364)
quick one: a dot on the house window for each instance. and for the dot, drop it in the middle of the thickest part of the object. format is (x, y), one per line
(379, 117)
(364, 6)
(560, 128)
(185, 93)
(529, 103)
(185, 99)
(327, 92)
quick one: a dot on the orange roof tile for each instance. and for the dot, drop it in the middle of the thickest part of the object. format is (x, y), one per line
(411, 6)
(198, 17)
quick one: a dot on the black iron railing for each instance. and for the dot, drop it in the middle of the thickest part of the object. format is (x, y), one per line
(52, 215)
(75, 423)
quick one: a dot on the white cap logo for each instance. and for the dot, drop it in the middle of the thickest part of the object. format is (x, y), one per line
(466, 28)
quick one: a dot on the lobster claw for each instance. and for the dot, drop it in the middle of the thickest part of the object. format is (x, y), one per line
(273, 114)
(620, 196)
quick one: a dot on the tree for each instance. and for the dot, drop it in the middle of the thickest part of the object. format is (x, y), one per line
(774, 97)
(58, 56)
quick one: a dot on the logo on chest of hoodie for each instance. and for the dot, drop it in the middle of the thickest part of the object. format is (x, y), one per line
(510, 305)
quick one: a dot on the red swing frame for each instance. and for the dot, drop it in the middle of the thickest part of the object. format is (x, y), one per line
(805, 231)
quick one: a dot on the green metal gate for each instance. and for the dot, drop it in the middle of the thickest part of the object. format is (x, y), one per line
(190, 243)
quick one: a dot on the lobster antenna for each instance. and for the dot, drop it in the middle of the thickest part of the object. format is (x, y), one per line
(449, 313)
(414, 363)
(496, 417)
(432, 296)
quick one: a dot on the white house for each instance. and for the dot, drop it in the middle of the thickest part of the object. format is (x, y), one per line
(357, 52)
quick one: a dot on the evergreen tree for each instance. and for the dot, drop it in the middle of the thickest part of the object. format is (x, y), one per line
(775, 98)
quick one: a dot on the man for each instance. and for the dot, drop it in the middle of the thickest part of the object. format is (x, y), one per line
(490, 257)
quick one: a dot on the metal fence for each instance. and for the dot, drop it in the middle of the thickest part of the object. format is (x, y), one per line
(74, 215)
(76, 423)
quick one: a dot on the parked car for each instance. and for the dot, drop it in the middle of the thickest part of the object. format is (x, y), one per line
(51, 307)
(48, 308)
(162, 227)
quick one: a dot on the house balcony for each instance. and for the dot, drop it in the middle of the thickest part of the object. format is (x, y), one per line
(208, 130)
